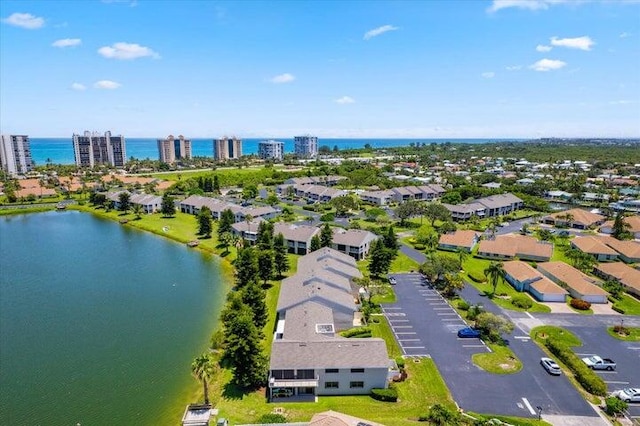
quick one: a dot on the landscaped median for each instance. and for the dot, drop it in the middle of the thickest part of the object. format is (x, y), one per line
(559, 342)
(629, 334)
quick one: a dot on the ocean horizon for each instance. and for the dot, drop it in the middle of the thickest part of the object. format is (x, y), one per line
(60, 150)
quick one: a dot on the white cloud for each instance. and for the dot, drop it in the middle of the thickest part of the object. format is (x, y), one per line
(543, 48)
(78, 86)
(67, 42)
(345, 100)
(283, 78)
(106, 84)
(127, 51)
(514, 67)
(520, 4)
(582, 43)
(622, 102)
(548, 65)
(625, 35)
(377, 31)
(488, 74)
(24, 20)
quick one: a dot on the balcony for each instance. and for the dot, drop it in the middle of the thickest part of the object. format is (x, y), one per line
(293, 383)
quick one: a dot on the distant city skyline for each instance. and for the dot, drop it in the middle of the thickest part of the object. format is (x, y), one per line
(424, 69)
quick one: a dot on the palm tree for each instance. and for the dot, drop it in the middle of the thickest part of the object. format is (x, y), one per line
(462, 256)
(495, 271)
(203, 369)
(137, 210)
(432, 241)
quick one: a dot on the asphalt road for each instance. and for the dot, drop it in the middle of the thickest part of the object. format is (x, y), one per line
(425, 325)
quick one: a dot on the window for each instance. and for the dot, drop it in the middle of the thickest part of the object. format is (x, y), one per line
(356, 385)
(357, 370)
(331, 385)
(331, 370)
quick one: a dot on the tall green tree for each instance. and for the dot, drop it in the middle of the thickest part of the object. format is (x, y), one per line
(390, 240)
(125, 201)
(326, 236)
(216, 184)
(315, 243)
(246, 266)
(438, 265)
(254, 297)
(495, 271)
(243, 350)
(380, 258)
(436, 211)
(265, 265)
(264, 238)
(344, 204)
(494, 326)
(203, 369)
(137, 210)
(280, 259)
(226, 239)
(168, 207)
(620, 229)
(227, 218)
(205, 222)
(462, 256)
(406, 210)
(452, 284)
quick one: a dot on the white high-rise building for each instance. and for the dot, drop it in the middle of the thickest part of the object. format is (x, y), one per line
(271, 150)
(15, 154)
(92, 149)
(306, 146)
(172, 149)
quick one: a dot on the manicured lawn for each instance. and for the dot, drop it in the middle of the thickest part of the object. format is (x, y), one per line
(501, 361)
(383, 293)
(403, 263)
(37, 209)
(381, 329)
(476, 267)
(539, 334)
(628, 304)
(634, 335)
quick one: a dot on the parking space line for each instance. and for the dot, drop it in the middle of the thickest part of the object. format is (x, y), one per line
(406, 332)
(388, 309)
(451, 319)
(409, 340)
(447, 313)
(616, 383)
(529, 407)
(414, 347)
(397, 320)
(402, 326)
(448, 308)
(473, 346)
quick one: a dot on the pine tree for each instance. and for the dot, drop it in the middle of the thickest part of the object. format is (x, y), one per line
(380, 258)
(390, 240)
(168, 207)
(204, 222)
(264, 238)
(216, 184)
(246, 267)
(620, 229)
(265, 265)
(254, 297)
(227, 218)
(315, 243)
(280, 259)
(326, 236)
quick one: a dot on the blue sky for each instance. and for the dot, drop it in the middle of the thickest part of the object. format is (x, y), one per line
(430, 69)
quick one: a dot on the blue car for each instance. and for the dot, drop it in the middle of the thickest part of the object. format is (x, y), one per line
(468, 332)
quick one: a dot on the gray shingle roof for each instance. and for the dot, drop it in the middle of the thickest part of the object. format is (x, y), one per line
(352, 237)
(338, 353)
(293, 232)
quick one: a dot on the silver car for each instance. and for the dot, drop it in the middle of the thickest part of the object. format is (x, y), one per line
(551, 366)
(628, 394)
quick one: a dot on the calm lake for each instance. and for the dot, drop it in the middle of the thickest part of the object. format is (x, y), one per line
(99, 323)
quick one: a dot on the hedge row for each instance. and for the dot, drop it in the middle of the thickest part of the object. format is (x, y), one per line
(357, 332)
(589, 380)
(388, 395)
(580, 304)
(522, 301)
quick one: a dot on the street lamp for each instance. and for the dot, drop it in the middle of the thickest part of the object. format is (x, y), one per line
(539, 412)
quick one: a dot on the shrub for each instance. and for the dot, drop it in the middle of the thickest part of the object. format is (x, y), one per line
(581, 305)
(479, 278)
(272, 418)
(463, 305)
(327, 217)
(387, 395)
(309, 208)
(327, 207)
(589, 380)
(400, 362)
(618, 309)
(521, 301)
(419, 246)
(357, 332)
(620, 329)
(440, 415)
(614, 406)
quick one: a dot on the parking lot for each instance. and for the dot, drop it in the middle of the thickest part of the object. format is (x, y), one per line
(425, 326)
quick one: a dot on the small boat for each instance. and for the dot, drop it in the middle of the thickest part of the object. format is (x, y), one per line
(193, 243)
(61, 206)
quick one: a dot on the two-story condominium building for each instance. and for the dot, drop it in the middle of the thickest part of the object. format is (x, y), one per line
(305, 146)
(595, 247)
(378, 198)
(329, 180)
(494, 205)
(511, 245)
(194, 203)
(523, 277)
(15, 154)
(308, 356)
(403, 193)
(149, 203)
(459, 240)
(271, 150)
(296, 237)
(579, 285)
(248, 231)
(319, 193)
(354, 242)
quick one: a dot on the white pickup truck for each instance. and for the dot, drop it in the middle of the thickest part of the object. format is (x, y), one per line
(597, 363)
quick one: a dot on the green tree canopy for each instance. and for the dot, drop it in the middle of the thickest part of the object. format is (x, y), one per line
(125, 201)
(326, 236)
(205, 222)
(168, 207)
(227, 218)
(280, 259)
(315, 243)
(246, 266)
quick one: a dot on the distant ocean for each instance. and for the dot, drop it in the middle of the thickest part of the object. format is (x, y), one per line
(60, 150)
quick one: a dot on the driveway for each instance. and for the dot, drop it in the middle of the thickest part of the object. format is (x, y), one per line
(425, 325)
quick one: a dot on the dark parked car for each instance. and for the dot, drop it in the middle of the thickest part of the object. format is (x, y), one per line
(468, 332)
(551, 366)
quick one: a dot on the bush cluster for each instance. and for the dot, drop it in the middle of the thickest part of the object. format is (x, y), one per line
(419, 246)
(522, 301)
(272, 418)
(479, 278)
(615, 406)
(620, 329)
(463, 305)
(357, 332)
(400, 362)
(589, 380)
(580, 304)
(387, 395)
(327, 217)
